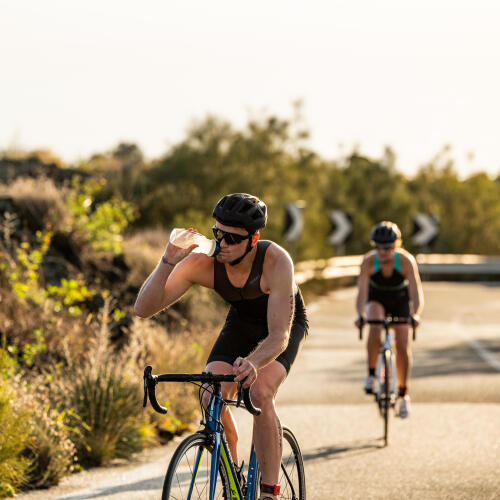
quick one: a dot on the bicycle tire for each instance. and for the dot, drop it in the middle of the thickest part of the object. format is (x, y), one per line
(386, 403)
(181, 470)
(292, 476)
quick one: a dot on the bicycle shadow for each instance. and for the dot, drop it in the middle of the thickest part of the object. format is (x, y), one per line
(338, 452)
(154, 483)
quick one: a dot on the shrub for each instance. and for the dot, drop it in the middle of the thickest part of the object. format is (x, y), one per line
(173, 352)
(51, 452)
(101, 224)
(107, 404)
(103, 392)
(14, 432)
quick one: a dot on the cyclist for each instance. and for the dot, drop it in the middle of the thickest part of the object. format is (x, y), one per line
(264, 328)
(389, 284)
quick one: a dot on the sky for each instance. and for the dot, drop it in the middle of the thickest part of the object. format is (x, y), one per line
(78, 77)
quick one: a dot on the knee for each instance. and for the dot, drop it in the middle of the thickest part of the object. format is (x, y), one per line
(262, 396)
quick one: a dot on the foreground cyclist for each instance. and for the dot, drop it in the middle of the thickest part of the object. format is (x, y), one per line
(389, 284)
(264, 328)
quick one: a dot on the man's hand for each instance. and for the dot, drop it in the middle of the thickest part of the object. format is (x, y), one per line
(360, 321)
(245, 371)
(174, 254)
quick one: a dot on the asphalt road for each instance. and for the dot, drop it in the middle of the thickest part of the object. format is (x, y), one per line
(448, 449)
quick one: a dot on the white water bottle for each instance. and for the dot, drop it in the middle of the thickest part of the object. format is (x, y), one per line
(184, 238)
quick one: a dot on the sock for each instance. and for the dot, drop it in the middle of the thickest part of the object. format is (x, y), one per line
(402, 391)
(371, 372)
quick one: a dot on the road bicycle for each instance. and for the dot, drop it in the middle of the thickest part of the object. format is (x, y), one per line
(202, 467)
(385, 395)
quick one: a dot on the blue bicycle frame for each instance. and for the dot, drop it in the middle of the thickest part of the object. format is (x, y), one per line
(221, 449)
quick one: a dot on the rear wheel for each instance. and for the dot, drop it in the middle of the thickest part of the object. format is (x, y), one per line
(189, 469)
(292, 478)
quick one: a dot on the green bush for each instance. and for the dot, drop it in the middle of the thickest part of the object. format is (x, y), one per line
(14, 432)
(51, 452)
(110, 425)
(101, 224)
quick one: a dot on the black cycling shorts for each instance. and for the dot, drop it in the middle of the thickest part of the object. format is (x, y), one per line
(239, 337)
(395, 303)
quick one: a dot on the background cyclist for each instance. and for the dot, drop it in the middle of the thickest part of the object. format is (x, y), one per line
(389, 284)
(264, 328)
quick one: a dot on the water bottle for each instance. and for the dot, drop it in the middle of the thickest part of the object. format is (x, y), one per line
(184, 238)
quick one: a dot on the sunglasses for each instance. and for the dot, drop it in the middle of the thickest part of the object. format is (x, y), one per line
(390, 246)
(229, 238)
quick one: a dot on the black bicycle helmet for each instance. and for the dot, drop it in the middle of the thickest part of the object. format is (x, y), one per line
(385, 232)
(241, 210)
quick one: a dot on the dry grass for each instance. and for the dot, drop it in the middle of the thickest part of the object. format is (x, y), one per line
(41, 198)
(143, 250)
(173, 353)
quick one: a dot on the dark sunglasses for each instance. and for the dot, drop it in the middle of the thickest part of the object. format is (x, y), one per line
(229, 238)
(389, 246)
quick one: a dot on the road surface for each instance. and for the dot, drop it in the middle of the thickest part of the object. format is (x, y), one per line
(448, 449)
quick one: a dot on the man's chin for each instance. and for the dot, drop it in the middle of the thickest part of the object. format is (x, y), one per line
(223, 258)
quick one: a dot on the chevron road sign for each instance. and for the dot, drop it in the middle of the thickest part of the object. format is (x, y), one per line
(294, 222)
(341, 227)
(425, 229)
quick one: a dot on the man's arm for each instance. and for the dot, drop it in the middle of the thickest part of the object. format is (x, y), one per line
(363, 282)
(168, 282)
(415, 290)
(280, 311)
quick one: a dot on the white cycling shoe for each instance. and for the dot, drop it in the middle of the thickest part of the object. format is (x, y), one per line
(370, 386)
(403, 407)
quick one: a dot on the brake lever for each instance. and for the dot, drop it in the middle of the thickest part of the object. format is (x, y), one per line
(239, 398)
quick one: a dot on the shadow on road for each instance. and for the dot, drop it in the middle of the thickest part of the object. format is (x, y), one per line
(450, 360)
(341, 451)
(459, 358)
(154, 483)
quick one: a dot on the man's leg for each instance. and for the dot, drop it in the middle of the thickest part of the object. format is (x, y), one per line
(374, 310)
(229, 390)
(267, 432)
(403, 361)
(403, 355)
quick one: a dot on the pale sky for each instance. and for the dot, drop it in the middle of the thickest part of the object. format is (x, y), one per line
(79, 76)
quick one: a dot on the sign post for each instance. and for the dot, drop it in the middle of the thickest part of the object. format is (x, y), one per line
(425, 230)
(294, 223)
(341, 229)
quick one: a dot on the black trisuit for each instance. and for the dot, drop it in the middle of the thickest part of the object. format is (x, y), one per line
(246, 322)
(391, 292)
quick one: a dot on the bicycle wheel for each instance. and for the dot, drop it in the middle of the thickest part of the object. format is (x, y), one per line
(292, 477)
(386, 401)
(190, 468)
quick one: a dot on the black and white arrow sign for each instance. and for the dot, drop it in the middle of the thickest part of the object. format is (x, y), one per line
(342, 227)
(294, 221)
(425, 229)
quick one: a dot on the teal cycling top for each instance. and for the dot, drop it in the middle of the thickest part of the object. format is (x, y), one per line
(393, 283)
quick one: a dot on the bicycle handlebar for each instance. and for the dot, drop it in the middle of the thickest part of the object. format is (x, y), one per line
(151, 380)
(388, 321)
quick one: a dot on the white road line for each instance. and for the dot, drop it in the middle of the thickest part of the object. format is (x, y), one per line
(483, 353)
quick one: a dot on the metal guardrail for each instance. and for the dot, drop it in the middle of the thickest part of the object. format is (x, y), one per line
(447, 267)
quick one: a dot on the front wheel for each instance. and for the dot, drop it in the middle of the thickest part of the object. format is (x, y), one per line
(386, 401)
(292, 477)
(189, 471)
